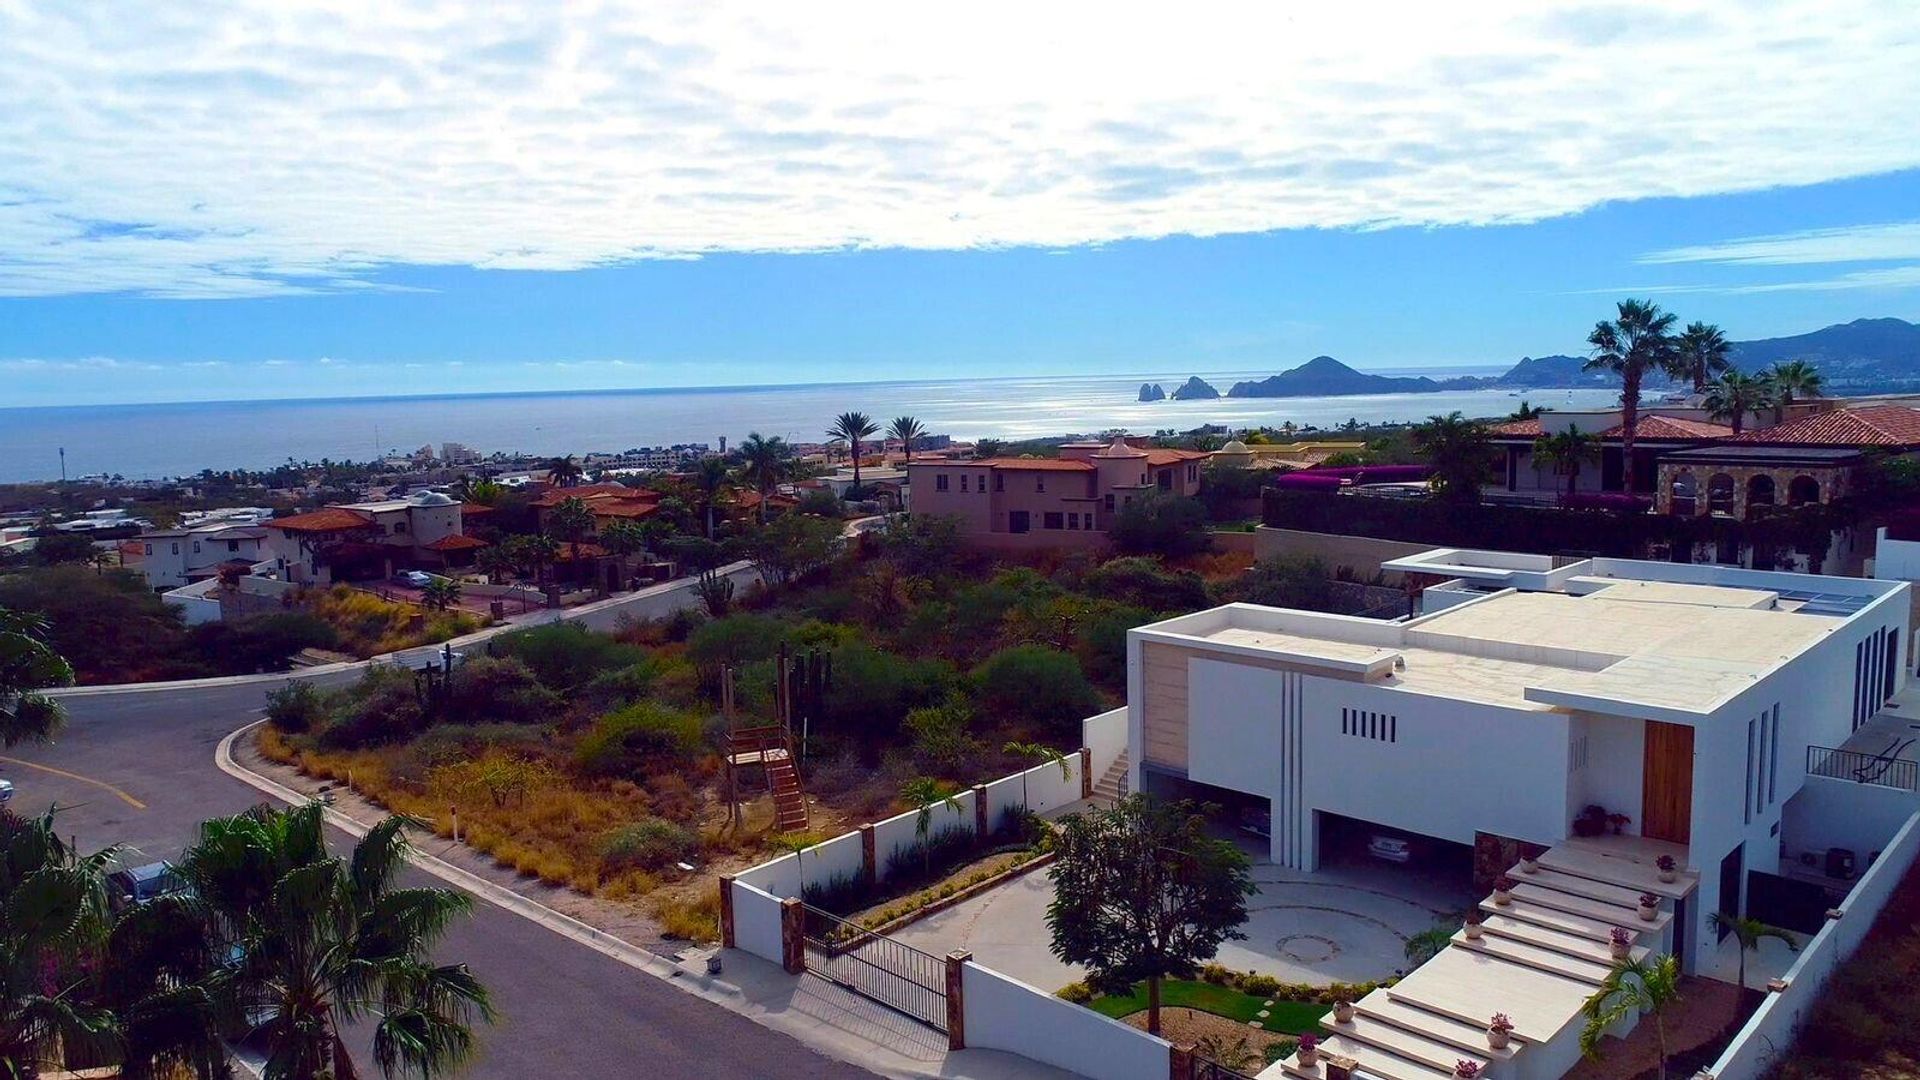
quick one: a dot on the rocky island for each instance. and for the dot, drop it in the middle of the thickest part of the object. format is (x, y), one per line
(1151, 391)
(1194, 389)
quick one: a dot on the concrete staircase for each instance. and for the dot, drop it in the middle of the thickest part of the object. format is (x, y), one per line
(1112, 786)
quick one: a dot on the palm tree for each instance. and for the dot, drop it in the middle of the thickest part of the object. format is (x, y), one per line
(533, 552)
(1040, 752)
(482, 491)
(571, 521)
(440, 594)
(623, 539)
(1735, 394)
(853, 427)
(53, 904)
(988, 448)
(163, 987)
(1638, 342)
(1750, 933)
(1526, 411)
(1793, 379)
(923, 793)
(1566, 452)
(1460, 453)
(1633, 986)
(321, 942)
(906, 429)
(495, 562)
(765, 463)
(1703, 353)
(564, 471)
(28, 665)
(709, 483)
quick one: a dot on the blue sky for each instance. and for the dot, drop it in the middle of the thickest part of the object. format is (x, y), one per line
(303, 202)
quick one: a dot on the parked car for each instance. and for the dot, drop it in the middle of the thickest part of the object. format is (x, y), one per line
(1393, 849)
(419, 579)
(134, 886)
(6, 792)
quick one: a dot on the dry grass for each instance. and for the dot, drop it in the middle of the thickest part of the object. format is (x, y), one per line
(369, 626)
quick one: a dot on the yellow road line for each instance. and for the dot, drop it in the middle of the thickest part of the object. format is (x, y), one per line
(126, 798)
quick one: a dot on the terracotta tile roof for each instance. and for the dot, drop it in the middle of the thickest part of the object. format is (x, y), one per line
(749, 500)
(1174, 457)
(1033, 464)
(1526, 429)
(331, 519)
(1669, 427)
(1876, 425)
(455, 543)
(588, 550)
(473, 509)
(621, 508)
(558, 495)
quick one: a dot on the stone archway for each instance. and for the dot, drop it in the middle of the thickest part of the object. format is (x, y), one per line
(1720, 494)
(1684, 494)
(1803, 490)
(1760, 491)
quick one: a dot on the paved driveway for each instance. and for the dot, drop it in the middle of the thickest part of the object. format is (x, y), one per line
(1344, 924)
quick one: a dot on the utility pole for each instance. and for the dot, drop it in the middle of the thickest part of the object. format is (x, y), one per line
(63, 464)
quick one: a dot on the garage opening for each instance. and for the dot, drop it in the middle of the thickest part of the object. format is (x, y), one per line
(1351, 844)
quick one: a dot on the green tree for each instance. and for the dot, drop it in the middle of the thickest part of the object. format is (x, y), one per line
(1460, 454)
(28, 665)
(1288, 581)
(480, 491)
(1040, 752)
(855, 428)
(573, 522)
(1702, 355)
(765, 462)
(1142, 891)
(908, 431)
(1526, 412)
(1566, 452)
(1637, 343)
(919, 545)
(923, 793)
(624, 539)
(440, 594)
(1034, 685)
(564, 471)
(1750, 932)
(710, 482)
(162, 987)
(1735, 394)
(792, 546)
(534, 553)
(1158, 523)
(988, 448)
(110, 627)
(53, 905)
(1633, 986)
(321, 942)
(1793, 379)
(1144, 582)
(496, 561)
(58, 549)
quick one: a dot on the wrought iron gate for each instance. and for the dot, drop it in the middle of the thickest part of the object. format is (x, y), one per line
(876, 967)
(1205, 1068)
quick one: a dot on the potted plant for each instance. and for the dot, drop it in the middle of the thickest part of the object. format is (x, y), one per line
(1669, 869)
(1618, 821)
(1529, 859)
(1591, 822)
(1309, 1053)
(1649, 907)
(1466, 1070)
(1621, 941)
(1499, 1031)
(1503, 890)
(1474, 919)
(1342, 1011)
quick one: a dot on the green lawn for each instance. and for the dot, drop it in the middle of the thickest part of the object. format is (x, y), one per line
(1291, 1017)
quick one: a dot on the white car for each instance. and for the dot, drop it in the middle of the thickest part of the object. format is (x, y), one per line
(1393, 849)
(419, 579)
(6, 792)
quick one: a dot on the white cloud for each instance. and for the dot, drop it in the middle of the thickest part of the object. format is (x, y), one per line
(1857, 243)
(277, 148)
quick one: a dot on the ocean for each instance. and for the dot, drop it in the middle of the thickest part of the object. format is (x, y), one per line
(151, 441)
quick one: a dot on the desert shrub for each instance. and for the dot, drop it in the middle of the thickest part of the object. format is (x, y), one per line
(642, 734)
(614, 688)
(1100, 642)
(696, 919)
(648, 844)
(109, 626)
(941, 734)
(1077, 992)
(261, 643)
(366, 625)
(499, 778)
(383, 707)
(1159, 524)
(564, 656)
(673, 798)
(842, 894)
(920, 545)
(872, 691)
(736, 639)
(929, 860)
(1288, 581)
(491, 689)
(296, 707)
(1034, 685)
(449, 743)
(1144, 583)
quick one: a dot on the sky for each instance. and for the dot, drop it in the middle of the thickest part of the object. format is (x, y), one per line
(234, 200)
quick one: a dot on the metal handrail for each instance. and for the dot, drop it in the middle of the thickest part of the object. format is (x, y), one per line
(877, 967)
(1884, 769)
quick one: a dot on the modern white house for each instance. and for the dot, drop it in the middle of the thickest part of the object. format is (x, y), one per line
(371, 539)
(172, 558)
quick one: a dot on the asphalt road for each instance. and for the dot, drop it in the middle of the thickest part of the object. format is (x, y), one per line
(137, 768)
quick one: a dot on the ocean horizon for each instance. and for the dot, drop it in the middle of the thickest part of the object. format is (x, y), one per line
(148, 441)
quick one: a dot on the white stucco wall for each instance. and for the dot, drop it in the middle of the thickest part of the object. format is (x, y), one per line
(1828, 813)
(1006, 1014)
(756, 922)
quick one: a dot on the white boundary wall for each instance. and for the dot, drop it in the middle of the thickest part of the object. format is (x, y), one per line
(1106, 736)
(898, 834)
(756, 922)
(1769, 1032)
(1006, 1014)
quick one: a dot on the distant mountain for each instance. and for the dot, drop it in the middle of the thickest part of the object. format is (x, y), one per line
(1152, 392)
(1864, 351)
(1323, 376)
(1194, 389)
(1555, 372)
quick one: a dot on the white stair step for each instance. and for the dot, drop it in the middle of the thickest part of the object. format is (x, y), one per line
(1631, 873)
(1404, 1043)
(1599, 950)
(1519, 952)
(1382, 1005)
(1586, 907)
(1603, 891)
(1384, 1064)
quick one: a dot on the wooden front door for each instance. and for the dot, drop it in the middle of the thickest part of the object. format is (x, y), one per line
(1666, 805)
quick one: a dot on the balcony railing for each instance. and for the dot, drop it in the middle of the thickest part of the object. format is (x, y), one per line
(1882, 770)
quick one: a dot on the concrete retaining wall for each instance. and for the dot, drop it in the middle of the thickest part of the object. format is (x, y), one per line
(1363, 553)
(756, 922)
(1005, 1014)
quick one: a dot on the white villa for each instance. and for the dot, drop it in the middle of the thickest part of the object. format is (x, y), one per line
(1717, 716)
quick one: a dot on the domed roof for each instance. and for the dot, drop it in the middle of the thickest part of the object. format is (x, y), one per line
(431, 498)
(1120, 449)
(1235, 446)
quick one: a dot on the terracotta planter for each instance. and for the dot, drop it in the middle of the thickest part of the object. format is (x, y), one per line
(1343, 1012)
(1498, 1039)
(1307, 1056)
(1620, 950)
(1648, 913)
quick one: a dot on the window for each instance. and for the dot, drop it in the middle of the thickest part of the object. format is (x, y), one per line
(1108, 502)
(176, 547)
(1040, 482)
(399, 527)
(1720, 494)
(1164, 478)
(1362, 724)
(963, 483)
(999, 482)
(1050, 520)
(1073, 521)
(233, 545)
(149, 549)
(940, 482)
(1193, 473)
(196, 547)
